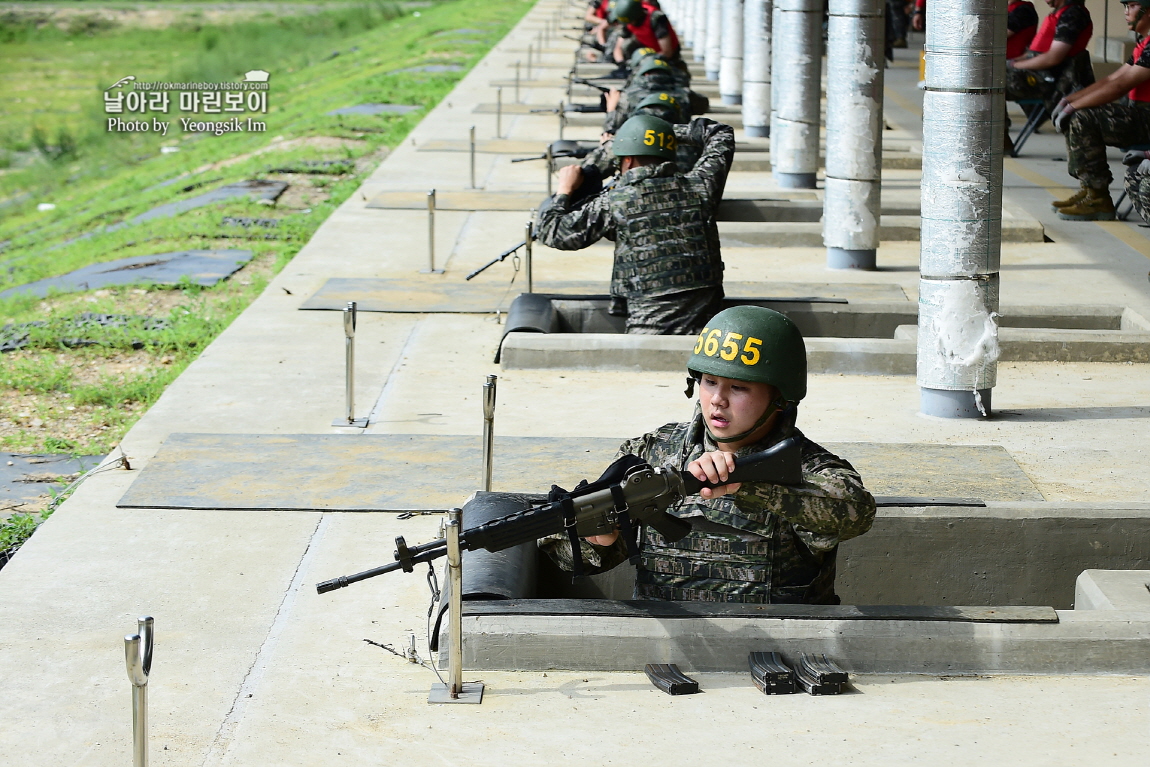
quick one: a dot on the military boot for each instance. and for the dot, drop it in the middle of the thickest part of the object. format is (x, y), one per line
(1096, 205)
(1072, 200)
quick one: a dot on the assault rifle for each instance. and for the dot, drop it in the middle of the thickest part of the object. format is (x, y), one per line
(564, 148)
(630, 493)
(501, 257)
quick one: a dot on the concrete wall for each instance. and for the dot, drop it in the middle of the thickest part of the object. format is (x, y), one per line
(1005, 554)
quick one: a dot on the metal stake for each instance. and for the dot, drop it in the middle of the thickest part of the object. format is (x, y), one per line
(528, 61)
(516, 82)
(550, 169)
(349, 319)
(455, 691)
(499, 113)
(431, 236)
(138, 659)
(472, 140)
(488, 430)
(562, 120)
(529, 237)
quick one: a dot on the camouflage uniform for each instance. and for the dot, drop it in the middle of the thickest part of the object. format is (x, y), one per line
(1138, 190)
(638, 87)
(1121, 124)
(765, 544)
(663, 226)
(1071, 75)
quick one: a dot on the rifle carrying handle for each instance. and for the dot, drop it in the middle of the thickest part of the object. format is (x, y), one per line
(780, 464)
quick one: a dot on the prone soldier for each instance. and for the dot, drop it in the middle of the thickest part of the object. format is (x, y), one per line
(1115, 112)
(668, 267)
(755, 542)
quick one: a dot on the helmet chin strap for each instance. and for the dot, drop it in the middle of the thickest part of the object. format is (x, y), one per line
(1138, 18)
(772, 408)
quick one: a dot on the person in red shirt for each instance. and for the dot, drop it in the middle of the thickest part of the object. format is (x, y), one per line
(644, 26)
(1021, 24)
(1098, 116)
(1056, 61)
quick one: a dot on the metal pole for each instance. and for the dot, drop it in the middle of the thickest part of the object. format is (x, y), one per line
(528, 239)
(796, 75)
(455, 607)
(431, 235)
(528, 61)
(349, 358)
(138, 659)
(488, 430)
(471, 139)
(714, 44)
(562, 120)
(499, 112)
(550, 163)
(349, 323)
(516, 82)
(852, 210)
(959, 257)
(757, 68)
(731, 60)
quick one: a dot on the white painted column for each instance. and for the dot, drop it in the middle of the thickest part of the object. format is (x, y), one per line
(714, 51)
(757, 68)
(731, 62)
(959, 256)
(796, 88)
(851, 210)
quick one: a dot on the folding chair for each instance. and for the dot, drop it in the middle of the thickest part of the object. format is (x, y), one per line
(1034, 119)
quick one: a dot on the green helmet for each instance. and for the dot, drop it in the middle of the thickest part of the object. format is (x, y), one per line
(626, 12)
(652, 64)
(661, 104)
(644, 135)
(640, 54)
(753, 343)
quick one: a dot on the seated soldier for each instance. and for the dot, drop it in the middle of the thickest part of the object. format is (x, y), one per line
(1021, 25)
(668, 266)
(643, 26)
(755, 542)
(1056, 62)
(1098, 116)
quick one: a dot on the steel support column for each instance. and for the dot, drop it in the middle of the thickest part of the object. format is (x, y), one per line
(851, 210)
(796, 74)
(714, 46)
(757, 68)
(963, 112)
(731, 62)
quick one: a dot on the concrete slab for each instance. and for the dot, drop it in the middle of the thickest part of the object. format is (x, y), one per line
(1125, 590)
(315, 472)
(439, 293)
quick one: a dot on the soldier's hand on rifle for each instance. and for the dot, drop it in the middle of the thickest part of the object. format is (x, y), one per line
(603, 540)
(612, 98)
(570, 179)
(714, 467)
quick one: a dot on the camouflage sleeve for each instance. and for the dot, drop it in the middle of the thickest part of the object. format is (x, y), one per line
(603, 158)
(830, 506)
(596, 559)
(565, 228)
(718, 142)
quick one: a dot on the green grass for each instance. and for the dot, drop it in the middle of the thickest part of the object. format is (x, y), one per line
(88, 397)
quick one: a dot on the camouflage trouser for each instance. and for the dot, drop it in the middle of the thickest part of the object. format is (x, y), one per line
(679, 314)
(1093, 129)
(1138, 190)
(1049, 85)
